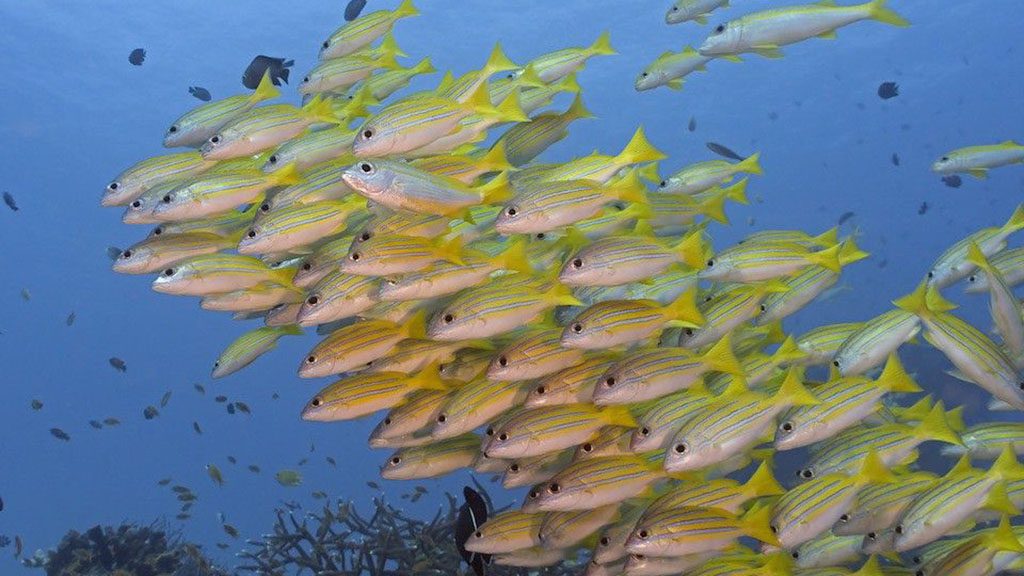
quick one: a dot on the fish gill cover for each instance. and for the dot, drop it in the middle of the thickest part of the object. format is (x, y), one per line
(579, 328)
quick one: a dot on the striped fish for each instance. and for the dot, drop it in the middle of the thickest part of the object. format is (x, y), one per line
(843, 403)
(313, 148)
(259, 298)
(320, 182)
(984, 553)
(573, 385)
(686, 564)
(691, 530)
(669, 68)
(807, 285)
(875, 341)
(217, 273)
(506, 531)
(1010, 265)
(650, 374)
(340, 74)
(444, 278)
(552, 428)
(596, 167)
(264, 128)
(363, 394)
(828, 550)
(197, 125)
(382, 85)
(614, 322)
(826, 239)
(952, 265)
(462, 88)
(338, 295)
(468, 364)
(757, 367)
(530, 471)
(364, 30)
(145, 174)
(611, 543)
(219, 193)
(656, 427)
(987, 439)
(670, 212)
(524, 142)
(402, 186)
(534, 355)
(497, 308)
(355, 345)
(322, 261)
(298, 226)
(561, 530)
(879, 506)
(1003, 305)
(413, 355)
(609, 441)
(733, 308)
(432, 460)
(632, 257)
(250, 346)
(416, 414)
(465, 168)
(821, 344)
(474, 404)
(553, 66)
(706, 175)
(721, 493)
(385, 255)
(755, 262)
(158, 252)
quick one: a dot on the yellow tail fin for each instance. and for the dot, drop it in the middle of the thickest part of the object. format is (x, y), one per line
(451, 250)
(618, 416)
(977, 257)
(878, 11)
(894, 378)
(692, 250)
(639, 150)
(1003, 537)
(683, 310)
(792, 392)
(603, 45)
(720, 357)
(751, 164)
(714, 208)
(416, 326)
(423, 67)
(405, 9)
(389, 46)
(1016, 221)
(737, 192)
(515, 257)
(629, 189)
(429, 378)
(509, 109)
(1006, 465)
(788, 352)
(757, 524)
(934, 426)
(849, 252)
(499, 189)
(873, 471)
(577, 111)
(762, 483)
(999, 500)
(497, 62)
(827, 238)
(496, 159)
(828, 258)
(287, 176)
(265, 90)
(319, 109)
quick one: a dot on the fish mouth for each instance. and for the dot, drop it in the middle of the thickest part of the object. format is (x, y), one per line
(110, 199)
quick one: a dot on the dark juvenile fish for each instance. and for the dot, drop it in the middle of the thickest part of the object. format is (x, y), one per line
(846, 216)
(111, 421)
(9, 200)
(71, 319)
(888, 90)
(150, 412)
(113, 252)
(96, 424)
(221, 399)
(230, 530)
(183, 516)
(895, 159)
(60, 434)
(278, 68)
(723, 151)
(37, 404)
(164, 482)
(195, 426)
(693, 124)
(254, 468)
(232, 459)
(243, 407)
(373, 485)
(1, 504)
(275, 396)
(19, 546)
(353, 9)
(472, 514)
(222, 546)
(200, 93)
(953, 181)
(5, 541)
(231, 408)
(118, 364)
(199, 388)
(137, 57)
(165, 399)
(924, 208)
(331, 461)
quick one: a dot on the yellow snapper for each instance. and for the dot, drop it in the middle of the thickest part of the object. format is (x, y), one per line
(1009, 263)
(265, 127)
(250, 346)
(384, 84)
(475, 403)
(1003, 306)
(158, 252)
(466, 168)
(355, 345)
(597, 167)
(952, 265)
(151, 172)
(556, 65)
(338, 295)
(614, 322)
(527, 140)
(551, 428)
(259, 298)
(197, 125)
(216, 273)
(312, 148)
(340, 74)
(409, 418)
(431, 460)
(402, 186)
(752, 262)
(298, 226)
(764, 32)
(670, 68)
(572, 385)
(364, 30)
(625, 258)
(977, 160)
(322, 261)
(991, 552)
(220, 193)
(362, 394)
(706, 175)
(506, 531)
(534, 355)
(385, 255)
(696, 10)
(690, 530)
(658, 424)
(820, 344)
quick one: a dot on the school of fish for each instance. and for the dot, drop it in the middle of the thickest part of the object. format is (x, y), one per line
(574, 328)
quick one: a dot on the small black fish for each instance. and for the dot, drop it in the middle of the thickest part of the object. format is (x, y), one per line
(1, 504)
(895, 159)
(331, 461)
(37, 404)
(113, 252)
(195, 426)
(60, 434)
(277, 67)
(5, 541)
(150, 412)
(163, 482)
(222, 546)
(274, 396)
(137, 57)
(232, 460)
(888, 90)
(923, 209)
(111, 421)
(96, 424)
(231, 408)
(723, 151)
(200, 93)
(9, 200)
(243, 407)
(472, 514)
(353, 9)
(70, 319)
(181, 489)
(199, 388)
(846, 216)
(183, 516)
(254, 468)
(693, 124)
(165, 399)
(302, 462)
(373, 485)
(953, 181)
(118, 364)
(221, 399)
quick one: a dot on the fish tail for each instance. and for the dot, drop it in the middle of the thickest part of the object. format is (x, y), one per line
(894, 377)
(389, 46)
(497, 190)
(265, 90)
(935, 426)
(497, 62)
(762, 483)
(683, 310)
(756, 523)
(509, 109)
(387, 60)
(319, 109)
(423, 67)
(290, 330)
(416, 326)
(406, 9)
(829, 237)
(1016, 221)
(603, 45)
(1006, 465)
(451, 250)
(692, 249)
(737, 192)
(873, 471)
(630, 189)
(649, 172)
(577, 111)
(479, 102)
(287, 176)
(562, 295)
(357, 107)
(788, 352)
(829, 258)
(1003, 538)
(570, 84)
(977, 257)
(496, 159)
(792, 392)
(955, 418)
(751, 164)
(878, 11)
(283, 276)
(714, 208)
(639, 150)
(999, 500)
(849, 252)
(516, 258)
(429, 378)
(721, 358)
(618, 415)
(917, 410)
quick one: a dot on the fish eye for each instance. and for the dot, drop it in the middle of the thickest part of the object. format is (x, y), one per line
(311, 359)
(353, 256)
(931, 274)
(502, 361)
(1020, 385)
(265, 207)
(396, 460)
(642, 534)
(364, 236)
(252, 233)
(604, 541)
(112, 186)
(387, 421)
(448, 318)
(136, 204)
(511, 76)
(327, 44)
(366, 167)
(166, 199)
(169, 272)
(679, 448)
(795, 554)
(675, 8)
(711, 263)
(787, 426)
(663, 183)
(442, 418)
(844, 518)
(307, 266)
(540, 236)
(587, 447)
(972, 278)
(643, 74)
(478, 534)
(513, 467)
(577, 263)
(392, 282)
(126, 254)
(807, 473)
(609, 381)
(214, 139)
(773, 528)
(316, 401)
(554, 488)
(158, 230)
(645, 431)
(872, 536)
(172, 129)
(534, 493)
(835, 363)
(367, 134)
(502, 437)
(720, 28)
(916, 559)
(541, 389)
(764, 308)
(511, 211)
(898, 529)
(313, 300)
(944, 159)
(577, 327)
(688, 331)
(306, 79)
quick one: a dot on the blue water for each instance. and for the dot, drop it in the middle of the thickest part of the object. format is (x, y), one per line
(74, 113)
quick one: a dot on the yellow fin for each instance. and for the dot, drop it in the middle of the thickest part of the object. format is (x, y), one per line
(265, 90)
(756, 524)
(934, 426)
(423, 67)
(639, 150)
(792, 391)
(720, 357)
(873, 471)
(416, 326)
(405, 9)
(683, 310)
(762, 483)
(1006, 465)
(603, 45)
(999, 500)
(618, 416)
(979, 173)
(768, 51)
(495, 159)
(751, 164)
(497, 190)
(497, 62)
(515, 257)
(895, 378)
(828, 258)
(287, 176)
(878, 11)
(429, 378)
